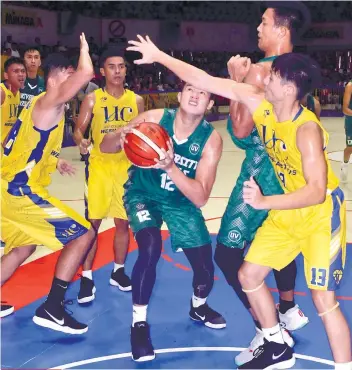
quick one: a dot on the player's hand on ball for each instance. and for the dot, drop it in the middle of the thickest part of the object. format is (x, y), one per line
(127, 129)
(84, 145)
(65, 167)
(252, 194)
(167, 160)
(146, 47)
(238, 67)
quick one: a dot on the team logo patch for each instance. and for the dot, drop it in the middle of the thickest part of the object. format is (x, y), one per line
(139, 206)
(349, 142)
(9, 96)
(266, 112)
(337, 274)
(194, 148)
(235, 235)
(104, 98)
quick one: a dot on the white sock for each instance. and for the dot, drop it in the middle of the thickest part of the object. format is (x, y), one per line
(196, 301)
(273, 334)
(88, 274)
(117, 266)
(343, 366)
(139, 314)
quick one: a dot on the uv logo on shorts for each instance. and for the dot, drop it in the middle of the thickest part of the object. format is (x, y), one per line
(235, 236)
(194, 148)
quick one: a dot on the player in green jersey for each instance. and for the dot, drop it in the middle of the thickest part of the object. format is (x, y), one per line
(173, 192)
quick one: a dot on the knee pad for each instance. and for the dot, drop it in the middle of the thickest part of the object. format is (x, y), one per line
(253, 290)
(329, 310)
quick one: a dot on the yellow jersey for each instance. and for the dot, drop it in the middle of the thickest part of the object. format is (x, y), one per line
(279, 139)
(109, 114)
(30, 154)
(9, 110)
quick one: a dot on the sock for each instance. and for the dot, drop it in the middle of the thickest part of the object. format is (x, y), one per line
(88, 274)
(196, 301)
(117, 266)
(257, 324)
(286, 305)
(273, 334)
(57, 292)
(139, 314)
(343, 366)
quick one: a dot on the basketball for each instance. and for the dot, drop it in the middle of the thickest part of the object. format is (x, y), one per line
(145, 143)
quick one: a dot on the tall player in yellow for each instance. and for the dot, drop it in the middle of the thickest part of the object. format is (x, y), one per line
(30, 216)
(15, 76)
(310, 218)
(111, 107)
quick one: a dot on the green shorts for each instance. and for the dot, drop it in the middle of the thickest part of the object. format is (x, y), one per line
(348, 130)
(185, 222)
(240, 221)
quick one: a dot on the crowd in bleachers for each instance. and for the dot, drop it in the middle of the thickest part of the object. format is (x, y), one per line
(336, 65)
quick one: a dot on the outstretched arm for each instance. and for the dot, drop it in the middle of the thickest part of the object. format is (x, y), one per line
(241, 92)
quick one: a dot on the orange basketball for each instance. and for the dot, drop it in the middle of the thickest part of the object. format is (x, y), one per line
(144, 144)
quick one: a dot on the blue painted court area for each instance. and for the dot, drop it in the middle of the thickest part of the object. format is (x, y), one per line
(182, 342)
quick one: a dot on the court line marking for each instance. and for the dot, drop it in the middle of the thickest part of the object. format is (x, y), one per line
(186, 349)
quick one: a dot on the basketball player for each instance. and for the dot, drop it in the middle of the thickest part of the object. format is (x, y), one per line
(278, 29)
(347, 111)
(30, 216)
(15, 75)
(111, 107)
(173, 192)
(34, 84)
(309, 218)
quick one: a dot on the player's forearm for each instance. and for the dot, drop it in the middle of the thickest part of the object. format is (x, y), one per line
(85, 65)
(202, 80)
(347, 111)
(111, 143)
(191, 189)
(77, 136)
(304, 197)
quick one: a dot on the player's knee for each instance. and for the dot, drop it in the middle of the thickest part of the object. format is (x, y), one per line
(95, 225)
(149, 245)
(229, 260)
(248, 277)
(121, 225)
(323, 300)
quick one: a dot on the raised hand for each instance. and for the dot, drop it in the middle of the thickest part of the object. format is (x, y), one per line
(146, 47)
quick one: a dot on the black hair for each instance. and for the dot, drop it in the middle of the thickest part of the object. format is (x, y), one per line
(12, 60)
(300, 69)
(294, 15)
(55, 61)
(31, 48)
(109, 53)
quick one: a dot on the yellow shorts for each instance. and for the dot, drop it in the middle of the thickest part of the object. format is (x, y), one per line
(319, 232)
(104, 188)
(34, 217)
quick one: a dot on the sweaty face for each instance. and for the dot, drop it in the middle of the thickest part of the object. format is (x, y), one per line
(194, 101)
(114, 70)
(32, 60)
(16, 75)
(268, 33)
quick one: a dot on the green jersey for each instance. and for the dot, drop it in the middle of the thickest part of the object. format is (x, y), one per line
(187, 154)
(32, 88)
